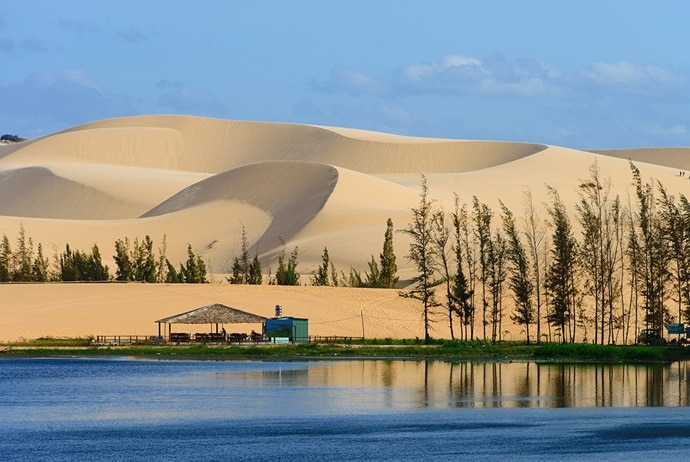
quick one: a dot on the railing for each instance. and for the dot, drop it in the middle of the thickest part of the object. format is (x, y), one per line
(126, 339)
(183, 337)
(334, 339)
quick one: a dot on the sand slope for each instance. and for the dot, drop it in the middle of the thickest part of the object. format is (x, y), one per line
(202, 181)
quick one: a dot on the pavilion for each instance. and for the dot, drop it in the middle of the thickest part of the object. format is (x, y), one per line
(213, 314)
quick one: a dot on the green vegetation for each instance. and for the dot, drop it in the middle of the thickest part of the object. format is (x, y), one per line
(621, 275)
(135, 261)
(423, 253)
(417, 349)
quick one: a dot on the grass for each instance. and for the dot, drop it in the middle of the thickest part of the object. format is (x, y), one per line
(388, 348)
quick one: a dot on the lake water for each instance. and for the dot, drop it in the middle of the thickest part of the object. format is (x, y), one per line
(117, 409)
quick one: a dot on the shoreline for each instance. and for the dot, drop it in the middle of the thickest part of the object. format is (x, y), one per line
(444, 351)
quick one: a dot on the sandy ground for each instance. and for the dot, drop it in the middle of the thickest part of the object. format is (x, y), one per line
(83, 309)
(201, 181)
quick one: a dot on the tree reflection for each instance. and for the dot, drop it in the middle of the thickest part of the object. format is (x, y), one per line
(437, 383)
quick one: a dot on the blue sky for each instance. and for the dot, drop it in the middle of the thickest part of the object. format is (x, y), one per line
(581, 74)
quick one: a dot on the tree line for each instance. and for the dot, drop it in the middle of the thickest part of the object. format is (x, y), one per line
(380, 274)
(135, 261)
(628, 267)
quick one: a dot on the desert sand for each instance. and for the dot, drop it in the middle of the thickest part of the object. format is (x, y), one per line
(201, 181)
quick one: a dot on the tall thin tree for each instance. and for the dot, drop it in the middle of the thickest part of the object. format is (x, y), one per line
(520, 279)
(422, 255)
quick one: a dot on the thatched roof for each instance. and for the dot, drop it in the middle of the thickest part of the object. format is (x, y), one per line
(215, 313)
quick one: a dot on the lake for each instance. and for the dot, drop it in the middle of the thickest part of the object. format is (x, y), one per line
(113, 409)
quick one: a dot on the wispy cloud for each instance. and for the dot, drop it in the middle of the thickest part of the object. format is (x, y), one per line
(523, 98)
(132, 35)
(493, 76)
(50, 101)
(496, 76)
(351, 81)
(35, 45)
(180, 98)
(6, 45)
(79, 27)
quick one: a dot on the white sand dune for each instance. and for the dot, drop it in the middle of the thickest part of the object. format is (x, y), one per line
(201, 181)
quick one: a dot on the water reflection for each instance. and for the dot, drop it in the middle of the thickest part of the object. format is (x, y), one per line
(483, 385)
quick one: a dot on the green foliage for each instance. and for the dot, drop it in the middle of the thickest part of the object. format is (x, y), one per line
(125, 270)
(520, 280)
(482, 215)
(388, 277)
(560, 276)
(194, 272)
(76, 265)
(255, 274)
(422, 254)
(241, 267)
(322, 274)
(286, 274)
(460, 291)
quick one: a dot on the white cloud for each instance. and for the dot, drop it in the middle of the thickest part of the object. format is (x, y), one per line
(672, 131)
(356, 82)
(351, 81)
(420, 72)
(625, 72)
(494, 76)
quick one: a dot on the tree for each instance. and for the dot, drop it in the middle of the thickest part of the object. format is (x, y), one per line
(194, 272)
(633, 251)
(73, 264)
(372, 278)
(653, 255)
(255, 275)
(600, 220)
(40, 267)
(520, 280)
(354, 279)
(482, 221)
(241, 265)
(145, 267)
(321, 276)
(97, 271)
(535, 233)
(125, 268)
(468, 239)
(685, 217)
(23, 258)
(291, 275)
(236, 270)
(460, 291)
(676, 234)
(439, 237)
(560, 275)
(422, 254)
(497, 276)
(388, 276)
(172, 275)
(6, 260)
(162, 264)
(286, 274)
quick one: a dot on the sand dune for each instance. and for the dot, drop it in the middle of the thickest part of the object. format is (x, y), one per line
(201, 181)
(678, 158)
